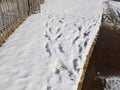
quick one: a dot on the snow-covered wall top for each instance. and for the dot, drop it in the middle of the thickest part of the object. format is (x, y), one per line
(48, 51)
(111, 14)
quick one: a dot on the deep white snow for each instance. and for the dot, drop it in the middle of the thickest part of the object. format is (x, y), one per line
(48, 51)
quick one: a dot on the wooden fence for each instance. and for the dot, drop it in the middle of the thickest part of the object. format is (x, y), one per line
(42, 1)
(13, 12)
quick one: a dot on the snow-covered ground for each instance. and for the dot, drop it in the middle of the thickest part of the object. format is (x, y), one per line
(111, 14)
(116, 6)
(112, 83)
(48, 51)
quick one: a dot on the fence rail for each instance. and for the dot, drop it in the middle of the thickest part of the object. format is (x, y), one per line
(12, 12)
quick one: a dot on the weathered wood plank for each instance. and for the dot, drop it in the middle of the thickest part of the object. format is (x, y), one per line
(12, 12)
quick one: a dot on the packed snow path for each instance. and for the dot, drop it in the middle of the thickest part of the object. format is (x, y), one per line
(48, 51)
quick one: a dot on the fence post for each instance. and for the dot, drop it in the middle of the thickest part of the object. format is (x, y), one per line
(18, 7)
(0, 24)
(42, 1)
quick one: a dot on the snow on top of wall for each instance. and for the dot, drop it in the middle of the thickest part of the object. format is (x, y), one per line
(111, 14)
(116, 6)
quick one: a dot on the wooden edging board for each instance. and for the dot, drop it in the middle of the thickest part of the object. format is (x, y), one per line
(87, 62)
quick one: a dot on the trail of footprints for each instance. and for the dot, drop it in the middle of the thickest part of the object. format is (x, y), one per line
(53, 34)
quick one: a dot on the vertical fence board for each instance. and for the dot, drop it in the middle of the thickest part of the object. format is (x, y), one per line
(14, 11)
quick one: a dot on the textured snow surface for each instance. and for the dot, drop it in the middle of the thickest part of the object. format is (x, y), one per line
(111, 14)
(116, 6)
(110, 82)
(48, 51)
